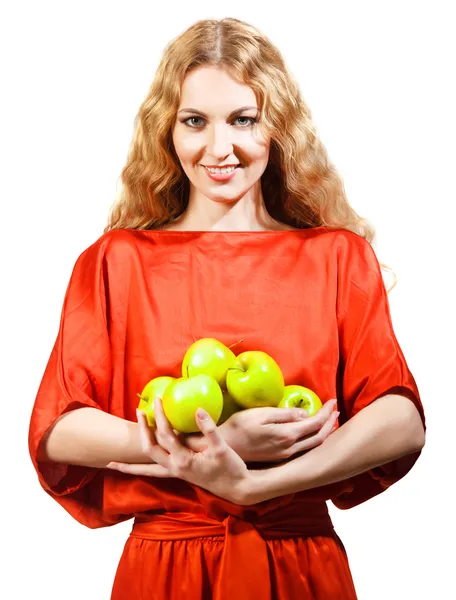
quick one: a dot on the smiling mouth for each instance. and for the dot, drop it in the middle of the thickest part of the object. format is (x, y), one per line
(218, 169)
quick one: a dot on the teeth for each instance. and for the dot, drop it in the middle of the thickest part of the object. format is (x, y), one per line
(218, 170)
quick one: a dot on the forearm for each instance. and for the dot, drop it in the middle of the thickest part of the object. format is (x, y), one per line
(93, 438)
(198, 443)
(387, 429)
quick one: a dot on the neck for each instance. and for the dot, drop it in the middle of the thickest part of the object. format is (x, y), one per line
(248, 213)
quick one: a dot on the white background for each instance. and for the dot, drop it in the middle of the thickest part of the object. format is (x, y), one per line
(378, 78)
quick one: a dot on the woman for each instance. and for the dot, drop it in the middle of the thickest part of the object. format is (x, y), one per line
(269, 257)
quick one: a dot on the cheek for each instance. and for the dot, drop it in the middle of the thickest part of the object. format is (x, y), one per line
(178, 143)
(258, 160)
(262, 156)
(256, 149)
(184, 145)
(188, 147)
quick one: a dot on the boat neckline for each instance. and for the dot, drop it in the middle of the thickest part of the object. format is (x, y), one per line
(230, 232)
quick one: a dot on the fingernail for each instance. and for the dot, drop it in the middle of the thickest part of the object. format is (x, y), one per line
(201, 414)
(303, 414)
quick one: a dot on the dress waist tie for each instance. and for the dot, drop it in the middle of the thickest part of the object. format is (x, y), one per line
(244, 566)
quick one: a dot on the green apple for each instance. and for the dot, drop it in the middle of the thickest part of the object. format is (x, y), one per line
(229, 408)
(208, 356)
(255, 380)
(155, 387)
(300, 397)
(184, 396)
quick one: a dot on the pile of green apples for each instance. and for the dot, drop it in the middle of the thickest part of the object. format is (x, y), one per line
(221, 383)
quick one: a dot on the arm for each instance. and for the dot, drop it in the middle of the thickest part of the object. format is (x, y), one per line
(268, 435)
(91, 437)
(387, 429)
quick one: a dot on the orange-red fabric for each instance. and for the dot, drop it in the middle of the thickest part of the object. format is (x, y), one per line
(315, 300)
(290, 552)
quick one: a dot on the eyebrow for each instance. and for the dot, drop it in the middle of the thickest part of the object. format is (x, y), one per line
(234, 112)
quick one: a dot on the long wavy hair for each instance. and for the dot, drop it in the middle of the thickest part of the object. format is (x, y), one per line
(300, 185)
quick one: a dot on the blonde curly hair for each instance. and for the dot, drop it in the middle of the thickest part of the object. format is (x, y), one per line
(301, 187)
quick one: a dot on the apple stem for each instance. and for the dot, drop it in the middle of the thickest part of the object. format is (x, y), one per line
(139, 395)
(235, 344)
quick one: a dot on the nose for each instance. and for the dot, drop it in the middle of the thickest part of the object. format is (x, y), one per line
(220, 140)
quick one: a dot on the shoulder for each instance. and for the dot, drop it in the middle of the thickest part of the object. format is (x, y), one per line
(346, 240)
(349, 247)
(353, 259)
(342, 245)
(357, 263)
(120, 239)
(112, 248)
(116, 243)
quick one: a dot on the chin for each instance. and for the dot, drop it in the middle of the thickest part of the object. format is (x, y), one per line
(228, 200)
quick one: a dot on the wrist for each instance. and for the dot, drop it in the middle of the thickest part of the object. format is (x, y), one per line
(197, 442)
(132, 451)
(226, 431)
(194, 441)
(265, 484)
(254, 488)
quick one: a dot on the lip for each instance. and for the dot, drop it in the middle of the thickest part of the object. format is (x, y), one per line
(220, 176)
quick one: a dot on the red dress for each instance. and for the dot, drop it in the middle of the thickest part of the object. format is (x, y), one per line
(314, 299)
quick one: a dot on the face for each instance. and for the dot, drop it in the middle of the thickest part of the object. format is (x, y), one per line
(217, 133)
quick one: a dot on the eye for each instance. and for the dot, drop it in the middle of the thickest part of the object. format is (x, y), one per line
(250, 121)
(191, 119)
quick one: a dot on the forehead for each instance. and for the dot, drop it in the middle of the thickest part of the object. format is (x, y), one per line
(212, 89)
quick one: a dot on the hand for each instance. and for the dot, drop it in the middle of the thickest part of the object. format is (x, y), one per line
(217, 469)
(274, 434)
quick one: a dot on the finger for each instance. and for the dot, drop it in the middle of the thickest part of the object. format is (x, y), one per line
(209, 429)
(181, 455)
(148, 442)
(328, 426)
(284, 415)
(168, 438)
(140, 469)
(329, 406)
(316, 422)
(313, 441)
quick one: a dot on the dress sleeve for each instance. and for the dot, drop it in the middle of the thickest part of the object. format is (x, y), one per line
(78, 374)
(371, 363)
